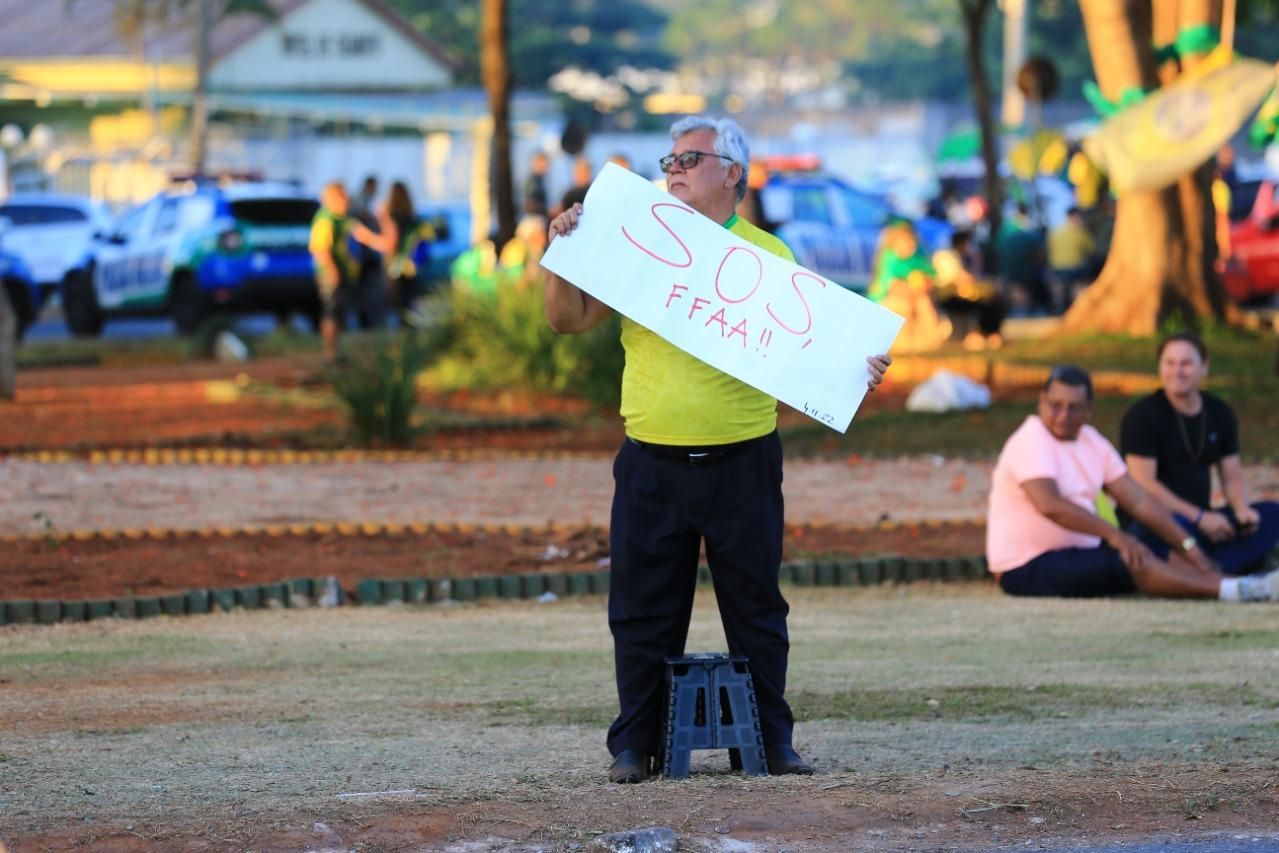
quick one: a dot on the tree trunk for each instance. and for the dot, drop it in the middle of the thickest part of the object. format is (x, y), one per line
(204, 19)
(1160, 265)
(1204, 294)
(975, 15)
(497, 83)
(8, 346)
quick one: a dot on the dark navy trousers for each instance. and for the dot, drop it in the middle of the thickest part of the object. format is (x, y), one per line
(1238, 556)
(664, 508)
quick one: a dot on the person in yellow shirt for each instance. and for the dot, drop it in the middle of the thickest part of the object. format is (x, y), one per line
(1222, 198)
(336, 267)
(973, 305)
(903, 283)
(1071, 257)
(701, 464)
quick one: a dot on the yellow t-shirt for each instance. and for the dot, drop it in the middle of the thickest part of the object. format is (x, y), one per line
(323, 237)
(1221, 196)
(1070, 246)
(670, 397)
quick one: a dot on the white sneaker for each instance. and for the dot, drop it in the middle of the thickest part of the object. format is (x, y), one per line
(1259, 587)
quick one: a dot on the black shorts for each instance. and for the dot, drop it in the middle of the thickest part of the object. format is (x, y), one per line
(1071, 573)
(334, 298)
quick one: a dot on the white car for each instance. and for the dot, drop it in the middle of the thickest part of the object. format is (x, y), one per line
(50, 232)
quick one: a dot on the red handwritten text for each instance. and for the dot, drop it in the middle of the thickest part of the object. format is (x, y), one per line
(688, 255)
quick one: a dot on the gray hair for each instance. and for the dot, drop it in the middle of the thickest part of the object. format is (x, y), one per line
(730, 141)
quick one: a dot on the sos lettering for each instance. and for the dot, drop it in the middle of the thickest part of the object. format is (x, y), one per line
(735, 311)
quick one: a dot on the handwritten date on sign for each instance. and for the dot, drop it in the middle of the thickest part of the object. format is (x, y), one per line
(735, 306)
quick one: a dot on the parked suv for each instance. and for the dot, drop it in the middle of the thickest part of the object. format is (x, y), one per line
(194, 250)
(832, 227)
(1251, 272)
(51, 232)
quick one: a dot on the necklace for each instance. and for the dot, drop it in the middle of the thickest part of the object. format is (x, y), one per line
(1202, 417)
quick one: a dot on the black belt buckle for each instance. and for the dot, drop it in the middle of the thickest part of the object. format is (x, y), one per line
(700, 458)
(693, 457)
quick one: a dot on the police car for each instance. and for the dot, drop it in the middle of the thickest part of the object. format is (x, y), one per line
(194, 250)
(832, 227)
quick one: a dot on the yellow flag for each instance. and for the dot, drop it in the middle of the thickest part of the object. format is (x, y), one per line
(1176, 129)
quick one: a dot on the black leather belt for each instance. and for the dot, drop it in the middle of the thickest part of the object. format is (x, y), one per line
(694, 456)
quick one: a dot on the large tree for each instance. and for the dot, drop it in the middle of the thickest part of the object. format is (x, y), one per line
(975, 14)
(595, 35)
(1162, 256)
(496, 70)
(8, 346)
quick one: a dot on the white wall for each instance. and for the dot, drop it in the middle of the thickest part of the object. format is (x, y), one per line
(329, 44)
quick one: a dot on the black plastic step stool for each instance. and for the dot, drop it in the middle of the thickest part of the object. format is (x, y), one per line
(710, 704)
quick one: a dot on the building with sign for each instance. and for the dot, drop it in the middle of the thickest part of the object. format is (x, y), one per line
(90, 49)
(316, 91)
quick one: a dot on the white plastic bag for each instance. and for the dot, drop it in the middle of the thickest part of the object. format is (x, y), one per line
(945, 391)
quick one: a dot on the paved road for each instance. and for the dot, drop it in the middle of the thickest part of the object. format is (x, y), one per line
(51, 327)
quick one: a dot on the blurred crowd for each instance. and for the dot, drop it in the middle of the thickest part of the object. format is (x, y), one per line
(966, 290)
(370, 256)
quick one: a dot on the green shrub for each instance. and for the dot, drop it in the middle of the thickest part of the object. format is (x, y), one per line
(378, 384)
(502, 340)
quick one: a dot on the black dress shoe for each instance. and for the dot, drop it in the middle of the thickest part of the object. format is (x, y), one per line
(783, 760)
(630, 766)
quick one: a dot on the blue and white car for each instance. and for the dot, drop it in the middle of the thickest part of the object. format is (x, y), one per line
(51, 232)
(196, 250)
(832, 227)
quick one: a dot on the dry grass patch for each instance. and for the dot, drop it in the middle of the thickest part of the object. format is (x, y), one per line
(492, 718)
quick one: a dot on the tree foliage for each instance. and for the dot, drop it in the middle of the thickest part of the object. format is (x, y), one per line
(887, 49)
(547, 37)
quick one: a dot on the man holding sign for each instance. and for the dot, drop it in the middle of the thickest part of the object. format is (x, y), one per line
(702, 460)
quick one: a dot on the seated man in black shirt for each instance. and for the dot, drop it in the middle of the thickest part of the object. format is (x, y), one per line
(1171, 440)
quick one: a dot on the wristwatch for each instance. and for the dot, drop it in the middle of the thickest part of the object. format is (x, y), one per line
(1189, 544)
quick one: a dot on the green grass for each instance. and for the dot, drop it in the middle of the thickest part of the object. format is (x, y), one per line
(991, 702)
(1239, 354)
(82, 655)
(1242, 373)
(982, 433)
(88, 351)
(510, 701)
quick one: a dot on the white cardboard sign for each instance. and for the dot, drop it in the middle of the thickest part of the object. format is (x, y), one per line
(766, 321)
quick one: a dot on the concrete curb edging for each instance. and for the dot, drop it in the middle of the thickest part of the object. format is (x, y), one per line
(237, 456)
(311, 592)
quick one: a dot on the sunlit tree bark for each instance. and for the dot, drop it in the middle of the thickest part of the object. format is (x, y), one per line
(8, 346)
(496, 70)
(975, 14)
(1161, 261)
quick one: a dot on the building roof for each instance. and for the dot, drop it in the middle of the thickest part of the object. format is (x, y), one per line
(91, 29)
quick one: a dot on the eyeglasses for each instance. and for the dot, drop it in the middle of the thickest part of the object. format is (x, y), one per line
(686, 160)
(1072, 410)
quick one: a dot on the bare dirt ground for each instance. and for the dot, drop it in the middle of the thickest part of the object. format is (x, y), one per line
(70, 569)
